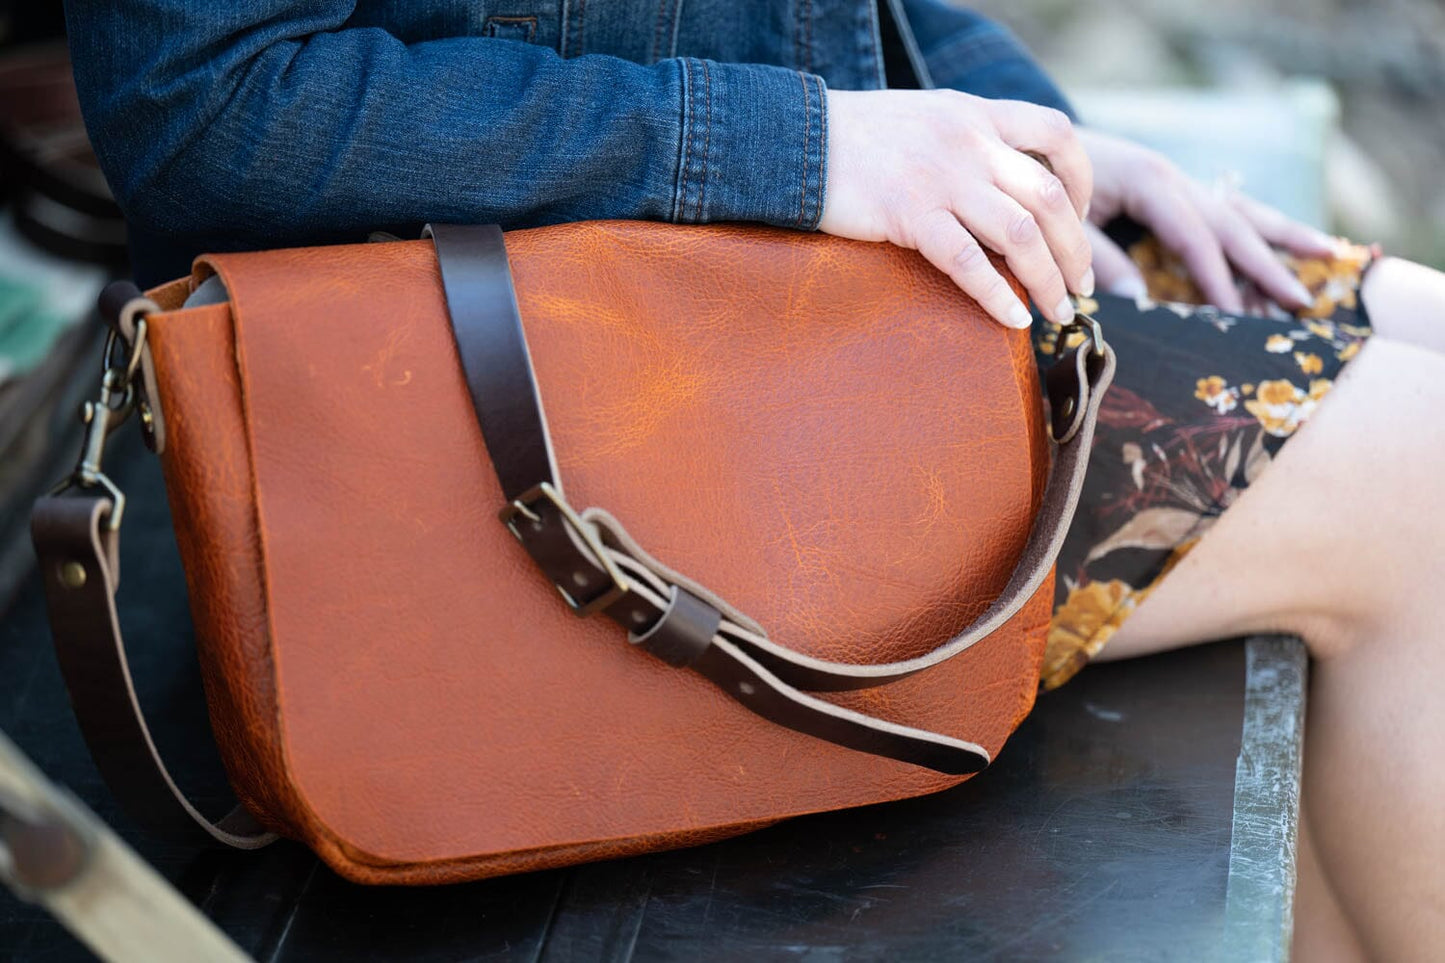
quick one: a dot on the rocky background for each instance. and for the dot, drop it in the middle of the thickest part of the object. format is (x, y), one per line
(1385, 60)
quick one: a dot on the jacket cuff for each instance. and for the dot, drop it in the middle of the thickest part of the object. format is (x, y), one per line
(989, 61)
(753, 146)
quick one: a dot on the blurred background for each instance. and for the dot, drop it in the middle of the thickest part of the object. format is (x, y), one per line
(1333, 110)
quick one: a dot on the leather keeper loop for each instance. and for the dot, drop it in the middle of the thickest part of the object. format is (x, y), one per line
(683, 633)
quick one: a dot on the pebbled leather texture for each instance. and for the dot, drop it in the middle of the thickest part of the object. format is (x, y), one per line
(824, 432)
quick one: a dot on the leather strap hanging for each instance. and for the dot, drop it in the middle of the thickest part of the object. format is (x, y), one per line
(588, 556)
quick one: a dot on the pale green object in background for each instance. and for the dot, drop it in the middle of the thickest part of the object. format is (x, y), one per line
(41, 297)
(1270, 143)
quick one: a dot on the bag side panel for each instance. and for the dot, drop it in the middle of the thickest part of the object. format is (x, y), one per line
(209, 486)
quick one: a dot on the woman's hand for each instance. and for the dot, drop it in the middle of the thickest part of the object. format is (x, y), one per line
(1208, 228)
(946, 173)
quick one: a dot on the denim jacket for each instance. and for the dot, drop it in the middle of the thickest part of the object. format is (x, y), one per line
(224, 125)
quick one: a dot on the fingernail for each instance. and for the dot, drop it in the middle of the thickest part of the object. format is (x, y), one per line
(1131, 288)
(1064, 313)
(1086, 284)
(1019, 316)
(1301, 293)
(1327, 243)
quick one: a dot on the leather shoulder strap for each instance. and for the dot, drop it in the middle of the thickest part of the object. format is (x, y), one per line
(77, 550)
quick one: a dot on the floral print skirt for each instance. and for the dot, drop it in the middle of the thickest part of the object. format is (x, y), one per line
(1201, 403)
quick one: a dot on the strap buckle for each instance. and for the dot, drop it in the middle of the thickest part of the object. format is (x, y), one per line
(522, 507)
(1096, 331)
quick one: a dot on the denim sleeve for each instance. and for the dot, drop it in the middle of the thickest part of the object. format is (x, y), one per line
(968, 52)
(272, 122)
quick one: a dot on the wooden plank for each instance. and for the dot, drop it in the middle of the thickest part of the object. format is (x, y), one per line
(56, 853)
(1259, 905)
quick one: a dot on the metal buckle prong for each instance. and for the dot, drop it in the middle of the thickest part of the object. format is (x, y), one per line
(521, 507)
(1096, 330)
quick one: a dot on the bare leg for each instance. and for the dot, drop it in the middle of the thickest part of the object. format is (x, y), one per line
(1322, 931)
(1406, 302)
(1342, 541)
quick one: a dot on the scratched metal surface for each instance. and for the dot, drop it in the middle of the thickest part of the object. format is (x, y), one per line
(1103, 832)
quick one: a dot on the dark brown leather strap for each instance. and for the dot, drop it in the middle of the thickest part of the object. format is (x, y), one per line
(597, 568)
(478, 286)
(78, 566)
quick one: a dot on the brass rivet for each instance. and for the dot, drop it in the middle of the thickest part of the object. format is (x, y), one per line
(72, 575)
(1067, 408)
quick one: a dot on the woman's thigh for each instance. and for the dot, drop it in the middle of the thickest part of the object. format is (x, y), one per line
(1345, 525)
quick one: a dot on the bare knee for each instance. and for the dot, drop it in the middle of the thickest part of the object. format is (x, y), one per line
(1406, 301)
(1328, 635)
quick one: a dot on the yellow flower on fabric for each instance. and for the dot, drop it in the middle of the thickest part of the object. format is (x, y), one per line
(1216, 394)
(1309, 363)
(1278, 344)
(1073, 339)
(1349, 350)
(1281, 407)
(1246, 388)
(1207, 388)
(1320, 330)
(1278, 392)
(1080, 627)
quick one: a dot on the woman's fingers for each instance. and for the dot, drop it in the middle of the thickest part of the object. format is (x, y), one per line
(1006, 227)
(953, 250)
(1284, 231)
(1049, 133)
(1116, 271)
(1167, 208)
(932, 170)
(1254, 258)
(1044, 196)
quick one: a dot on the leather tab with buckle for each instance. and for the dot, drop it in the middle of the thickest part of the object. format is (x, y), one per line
(526, 517)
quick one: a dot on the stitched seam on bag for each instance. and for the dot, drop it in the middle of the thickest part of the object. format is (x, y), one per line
(706, 138)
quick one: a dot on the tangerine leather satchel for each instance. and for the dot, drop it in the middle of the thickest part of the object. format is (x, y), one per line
(816, 572)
